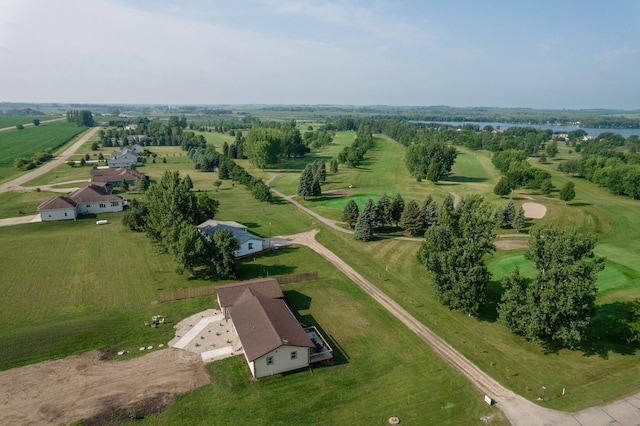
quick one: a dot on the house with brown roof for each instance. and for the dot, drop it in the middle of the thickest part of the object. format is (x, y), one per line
(114, 177)
(273, 341)
(91, 198)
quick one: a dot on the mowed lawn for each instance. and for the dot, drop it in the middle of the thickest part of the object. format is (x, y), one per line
(25, 143)
(381, 370)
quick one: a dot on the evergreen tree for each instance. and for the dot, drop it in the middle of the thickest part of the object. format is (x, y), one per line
(383, 211)
(350, 213)
(124, 185)
(546, 187)
(520, 221)
(364, 226)
(508, 214)
(188, 182)
(397, 207)
(322, 172)
(334, 165)
(429, 213)
(411, 219)
(316, 188)
(305, 184)
(135, 217)
(225, 149)
(223, 170)
(260, 191)
(568, 192)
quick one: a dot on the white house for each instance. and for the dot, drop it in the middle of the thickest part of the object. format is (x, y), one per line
(89, 199)
(249, 243)
(126, 157)
(58, 208)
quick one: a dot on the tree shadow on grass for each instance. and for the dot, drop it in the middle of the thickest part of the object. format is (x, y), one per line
(580, 204)
(464, 179)
(604, 336)
(488, 311)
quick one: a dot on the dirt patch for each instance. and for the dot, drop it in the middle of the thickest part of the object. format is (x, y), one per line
(534, 210)
(511, 244)
(117, 415)
(83, 386)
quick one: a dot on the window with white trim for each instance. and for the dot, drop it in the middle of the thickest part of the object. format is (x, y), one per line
(269, 360)
(294, 354)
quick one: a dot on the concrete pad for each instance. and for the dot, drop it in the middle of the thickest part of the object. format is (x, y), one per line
(217, 354)
(594, 417)
(624, 413)
(197, 329)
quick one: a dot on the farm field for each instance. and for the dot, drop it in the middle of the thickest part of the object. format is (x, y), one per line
(25, 143)
(14, 120)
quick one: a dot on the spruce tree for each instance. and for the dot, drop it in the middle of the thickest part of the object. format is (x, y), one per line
(520, 220)
(350, 213)
(411, 219)
(397, 207)
(429, 213)
(316, 189)
(364, 226)
(383, 211)
(333, 165)
(322, 173)
(508, 214)
(305, 185)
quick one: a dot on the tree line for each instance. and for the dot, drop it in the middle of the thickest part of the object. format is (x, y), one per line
(81, 117)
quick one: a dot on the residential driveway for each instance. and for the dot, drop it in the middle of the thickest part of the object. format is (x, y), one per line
(20, 220)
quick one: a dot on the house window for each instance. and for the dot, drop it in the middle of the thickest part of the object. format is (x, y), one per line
(250, 246)
(65, 214)
(88, 205)
(114, 203)
(294, 355)
(102, 206)
(269, 360)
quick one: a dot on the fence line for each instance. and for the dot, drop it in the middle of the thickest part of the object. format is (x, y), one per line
(189, 293)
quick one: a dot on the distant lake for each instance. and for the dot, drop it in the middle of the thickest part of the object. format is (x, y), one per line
(590, 131)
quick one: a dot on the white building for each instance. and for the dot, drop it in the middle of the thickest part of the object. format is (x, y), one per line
(89, 199)
(249, 243)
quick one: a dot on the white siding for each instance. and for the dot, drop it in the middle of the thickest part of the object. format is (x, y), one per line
(281, 361)
(95, 207)
(249, 247)
(58, 214)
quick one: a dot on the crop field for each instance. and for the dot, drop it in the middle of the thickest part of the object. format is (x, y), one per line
(25, 143)
(14, 120)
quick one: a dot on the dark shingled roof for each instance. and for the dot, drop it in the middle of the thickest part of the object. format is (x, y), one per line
(91, 192)
(264, 324)
(57, 203)
(267, 287)
(115, 175)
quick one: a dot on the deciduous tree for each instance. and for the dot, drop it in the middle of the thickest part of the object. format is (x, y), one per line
(568, 192)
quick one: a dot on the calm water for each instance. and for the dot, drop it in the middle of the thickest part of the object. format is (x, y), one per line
(591, 132)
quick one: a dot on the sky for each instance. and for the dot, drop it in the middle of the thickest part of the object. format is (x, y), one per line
(537, 54)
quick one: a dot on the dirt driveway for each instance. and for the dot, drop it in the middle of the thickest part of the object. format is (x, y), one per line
(83, 386)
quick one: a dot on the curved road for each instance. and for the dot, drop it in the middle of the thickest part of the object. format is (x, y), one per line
(16, 184)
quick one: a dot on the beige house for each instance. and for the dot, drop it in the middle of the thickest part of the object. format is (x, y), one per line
(88, 199)
(273, 341)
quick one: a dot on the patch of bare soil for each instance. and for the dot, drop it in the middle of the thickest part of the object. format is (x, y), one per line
(85, 387)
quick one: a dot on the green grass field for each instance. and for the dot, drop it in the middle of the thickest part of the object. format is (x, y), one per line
(25, 143)
(83, 298)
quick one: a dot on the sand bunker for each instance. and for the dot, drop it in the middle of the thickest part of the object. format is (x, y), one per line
(511, 244)
(534, 210)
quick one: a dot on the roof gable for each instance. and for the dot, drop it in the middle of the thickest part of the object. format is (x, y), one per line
(57, 203)
(229, 294)
(265, 324)
(91, 193)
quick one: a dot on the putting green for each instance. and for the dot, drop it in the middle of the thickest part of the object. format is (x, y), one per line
(609, 279)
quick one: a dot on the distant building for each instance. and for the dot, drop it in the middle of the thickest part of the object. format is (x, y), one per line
(114, 177)
(126, 157)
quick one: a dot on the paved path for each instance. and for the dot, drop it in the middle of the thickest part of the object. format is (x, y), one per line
(19, 220)
(16, 184)
(193, 333)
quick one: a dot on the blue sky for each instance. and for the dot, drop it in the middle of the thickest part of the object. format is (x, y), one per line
(543, 54)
